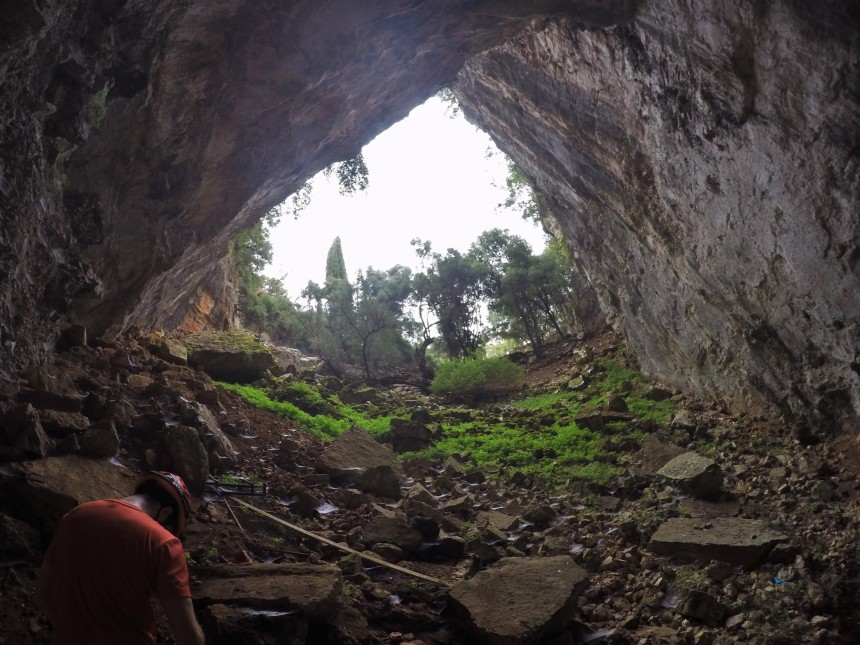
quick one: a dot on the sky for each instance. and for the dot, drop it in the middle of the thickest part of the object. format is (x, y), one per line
(430, 178)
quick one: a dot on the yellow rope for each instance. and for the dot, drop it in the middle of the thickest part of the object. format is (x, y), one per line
(342, 547)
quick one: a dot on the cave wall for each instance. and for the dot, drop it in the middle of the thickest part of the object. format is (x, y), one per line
(138, 137)
(701, 159)
(703, 162)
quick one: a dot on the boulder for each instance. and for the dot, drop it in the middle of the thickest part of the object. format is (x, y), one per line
(171, 351)
(51, 487)
(182, 452)
(101, 440)
(734, 540)
(219, 449)
(312, 590)
(698, 475)
(382, 481)
(501, 521)
(352, 454)
(703, 607)
(23, 431)
(233, 357)
(63, 423)
(407, 435)
(391, 530)
(519, 600)
(420, 494)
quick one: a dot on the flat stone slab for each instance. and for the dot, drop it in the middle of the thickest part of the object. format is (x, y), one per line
(733, 540)
(311, 589)
(519, 600)
(54, 486)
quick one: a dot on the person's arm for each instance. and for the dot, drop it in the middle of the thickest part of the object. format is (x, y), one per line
(43, 588)
(183, 623)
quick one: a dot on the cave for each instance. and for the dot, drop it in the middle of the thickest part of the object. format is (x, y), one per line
(702, 162)
(700, 159)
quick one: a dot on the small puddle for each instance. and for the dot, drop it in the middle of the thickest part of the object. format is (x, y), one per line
(325, 508)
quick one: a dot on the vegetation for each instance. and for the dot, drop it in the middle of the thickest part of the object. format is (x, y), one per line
(534, 435)
(231, 340)
(477, 377)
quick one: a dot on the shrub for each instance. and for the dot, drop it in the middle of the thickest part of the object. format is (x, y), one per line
(477, 377)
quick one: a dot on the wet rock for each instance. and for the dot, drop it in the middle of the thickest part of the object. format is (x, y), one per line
(691, 472)
(101, 440)
(23, 431)
(519, 600)
(17, 539)
(391, 530)
(703, 607)
(183, 453)
(312, 590)
(353, 453)
(733, 540)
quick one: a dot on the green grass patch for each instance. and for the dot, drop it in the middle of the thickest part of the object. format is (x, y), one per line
(477, 376)
(319, 425)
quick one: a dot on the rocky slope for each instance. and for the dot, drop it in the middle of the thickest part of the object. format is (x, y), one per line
(755, 542)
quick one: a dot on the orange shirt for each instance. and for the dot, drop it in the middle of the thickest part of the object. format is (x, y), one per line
(108, 559)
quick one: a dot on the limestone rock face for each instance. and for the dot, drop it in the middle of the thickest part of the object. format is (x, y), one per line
(701, 161)
(702, 164)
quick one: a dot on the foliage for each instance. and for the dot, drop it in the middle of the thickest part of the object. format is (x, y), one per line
(336, 419)
(451, 288)
(476, 377)
(352, 174)
(522, 196)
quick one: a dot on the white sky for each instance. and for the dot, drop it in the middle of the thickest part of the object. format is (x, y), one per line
(429, 178)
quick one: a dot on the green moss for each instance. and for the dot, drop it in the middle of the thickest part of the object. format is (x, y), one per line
(228, 340)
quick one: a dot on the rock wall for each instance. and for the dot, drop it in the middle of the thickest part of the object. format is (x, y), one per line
(701, 159)
(137, 137)
(704, 163)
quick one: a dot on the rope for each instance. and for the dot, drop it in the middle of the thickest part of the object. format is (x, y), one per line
(342, 547)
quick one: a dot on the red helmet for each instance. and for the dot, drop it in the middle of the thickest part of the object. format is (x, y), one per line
(176, 489)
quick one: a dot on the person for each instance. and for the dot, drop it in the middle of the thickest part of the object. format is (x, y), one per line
(107, 560)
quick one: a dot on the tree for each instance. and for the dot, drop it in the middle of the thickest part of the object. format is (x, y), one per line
(451, 285)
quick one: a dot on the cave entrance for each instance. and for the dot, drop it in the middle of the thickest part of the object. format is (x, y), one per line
(432, 176)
